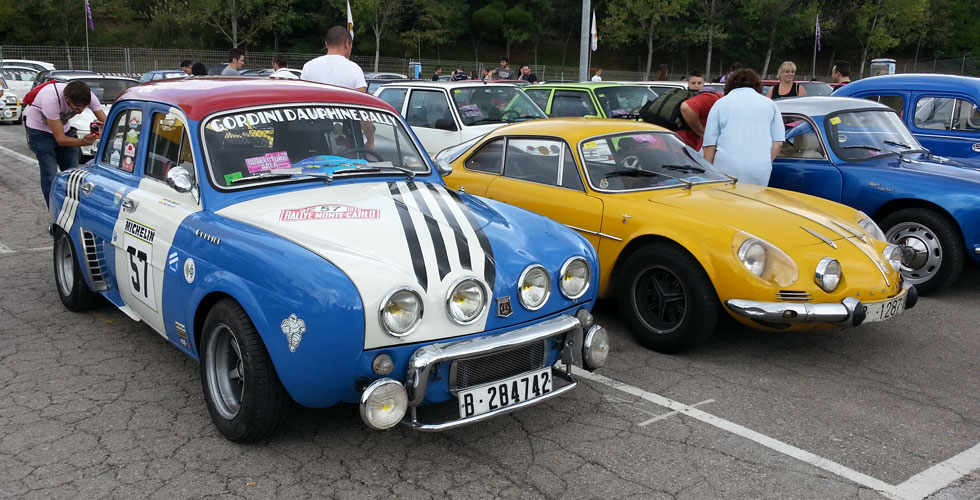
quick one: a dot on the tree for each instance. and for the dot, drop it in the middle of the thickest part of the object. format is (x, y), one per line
(879, 25)
(379, 15)
(652, 20)
(519, 26)
(779, 23)
(711, 28)
(238, 21)
(489, 17)
(436, 22)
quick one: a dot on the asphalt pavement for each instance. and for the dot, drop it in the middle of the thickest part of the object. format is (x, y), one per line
(94, 405)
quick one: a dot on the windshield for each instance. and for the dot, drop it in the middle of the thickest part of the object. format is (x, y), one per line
(306, 140)
(817, 88)
(623, 102)
(18, 75)
(452, 153)
(494, 104)
(637, 161)
(107, 90)
(861, 135)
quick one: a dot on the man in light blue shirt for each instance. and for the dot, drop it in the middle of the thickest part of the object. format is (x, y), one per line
(744, 130)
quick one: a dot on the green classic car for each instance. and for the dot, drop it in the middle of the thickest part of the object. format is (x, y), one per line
(591, 99)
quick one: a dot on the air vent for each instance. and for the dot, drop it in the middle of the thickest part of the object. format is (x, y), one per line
(793, 296)
(94, 260)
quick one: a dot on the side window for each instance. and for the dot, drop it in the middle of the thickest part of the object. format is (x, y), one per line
(801, 139)
(946, 113)
(967, 117)
(570, 178)
(169, 147)
(539, 96)
(489, 159)
(895, 102)
(429, 109)
(571, 103)
(535, 160)
(124, 138)
(394, 97)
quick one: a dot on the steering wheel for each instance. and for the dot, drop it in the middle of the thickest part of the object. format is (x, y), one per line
(512, 113)
(357, 152)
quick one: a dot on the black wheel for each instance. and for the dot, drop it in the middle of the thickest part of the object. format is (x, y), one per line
(362, 153)
(245, 398)
(667, 299)
(72, 288)
(934, 244)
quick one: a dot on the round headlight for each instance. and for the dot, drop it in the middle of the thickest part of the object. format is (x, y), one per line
(466, 301)
(575, 278)
(401, 312)
(752, 253)
(828, 274)
(595, 349)
(534, 287)
(894, 255)
(383, 404)
(869, 225)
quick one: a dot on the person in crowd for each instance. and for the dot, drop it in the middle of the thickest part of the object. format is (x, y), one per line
(53, 141)
(199, 69)
(186, 65)
(527, 76)
(744, 130)
(336, 68)
(236, 62)
(695, 113)
(841, 72)
(786, 87)
(731, 69)
(487, 74)
(664, 74)
(473, 75)
(504, 72)
(459, 75)
(436, 73)
(597, 77)
(280, 68)
(695, 81)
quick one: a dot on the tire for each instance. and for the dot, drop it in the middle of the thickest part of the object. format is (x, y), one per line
(73, 291)
(685, 321)
(938, 247)
(245, 398)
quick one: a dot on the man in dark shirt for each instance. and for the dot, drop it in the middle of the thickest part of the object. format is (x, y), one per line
(435, 75)
(527, 76)
(841, 72)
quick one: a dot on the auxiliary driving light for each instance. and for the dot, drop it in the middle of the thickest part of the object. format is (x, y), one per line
(383, 404)
(382, 364)
(595, 349)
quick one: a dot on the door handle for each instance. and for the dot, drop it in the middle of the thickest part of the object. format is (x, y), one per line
(87, 188)
(129, 205)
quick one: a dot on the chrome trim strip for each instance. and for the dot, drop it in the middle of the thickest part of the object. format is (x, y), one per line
(968, 139)
(855, 233)
(426, 357)
(821, 237)
(412, 421)
(603, 235)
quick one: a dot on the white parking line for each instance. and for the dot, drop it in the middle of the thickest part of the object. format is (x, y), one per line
(670, 414)
(917, 487)
(5, 248)
(19, 156)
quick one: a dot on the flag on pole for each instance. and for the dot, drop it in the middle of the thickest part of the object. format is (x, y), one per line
(595, 33)
(88, 13)
(350, 20)
(818, 31)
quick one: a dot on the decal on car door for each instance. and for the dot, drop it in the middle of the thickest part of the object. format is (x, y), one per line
(138, 243)
(66, 217)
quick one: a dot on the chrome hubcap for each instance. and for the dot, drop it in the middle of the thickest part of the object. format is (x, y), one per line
(65, 266)
(225, 372)
(923, 252)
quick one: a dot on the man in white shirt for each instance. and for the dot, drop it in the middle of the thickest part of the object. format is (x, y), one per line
(336, 68)
(280, 70)
(598, 75)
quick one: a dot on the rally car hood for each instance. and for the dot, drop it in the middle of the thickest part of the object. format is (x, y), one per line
(391, 235)
(783, 218)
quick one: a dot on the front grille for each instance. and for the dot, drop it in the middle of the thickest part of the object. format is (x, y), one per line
(791, 295)
(471, 372)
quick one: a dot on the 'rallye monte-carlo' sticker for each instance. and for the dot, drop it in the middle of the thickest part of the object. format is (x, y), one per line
(317, 212)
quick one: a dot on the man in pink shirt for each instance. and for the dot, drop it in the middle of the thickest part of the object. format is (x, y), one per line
(53, 142)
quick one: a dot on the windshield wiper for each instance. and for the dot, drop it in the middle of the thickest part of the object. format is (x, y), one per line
(482, 121)
(870, 148)
(684, 168)
(633, 173)
(282, 175)
(898, 144)
(377, 167)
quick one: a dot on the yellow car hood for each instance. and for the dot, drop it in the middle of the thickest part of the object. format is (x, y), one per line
(761, 211)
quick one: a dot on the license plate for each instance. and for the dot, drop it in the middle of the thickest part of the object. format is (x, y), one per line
(880, 311)
(504, 393)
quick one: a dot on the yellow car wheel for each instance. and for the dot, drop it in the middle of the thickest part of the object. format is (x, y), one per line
(667, 298)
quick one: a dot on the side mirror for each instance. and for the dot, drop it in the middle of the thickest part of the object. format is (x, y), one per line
(443, 167)
(179, 179)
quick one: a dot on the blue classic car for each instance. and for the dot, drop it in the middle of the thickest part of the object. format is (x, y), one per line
(294, 239)
(942, 111)
(860, 154)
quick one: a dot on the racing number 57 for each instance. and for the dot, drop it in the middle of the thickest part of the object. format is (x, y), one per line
(139, 284)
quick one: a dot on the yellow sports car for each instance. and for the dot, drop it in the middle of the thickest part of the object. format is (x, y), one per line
(678, 242)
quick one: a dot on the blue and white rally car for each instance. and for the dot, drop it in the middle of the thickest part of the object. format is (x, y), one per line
(293, 238)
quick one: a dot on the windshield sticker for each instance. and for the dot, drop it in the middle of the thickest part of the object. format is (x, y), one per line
(318, 212)
(603, 184)
(835, 121)
(251, 119)
(114, 158)
(134, 122)
(589, 145)
(651, 138)
(232, 177)
(117, 143)
(128, 164)
(268, 161)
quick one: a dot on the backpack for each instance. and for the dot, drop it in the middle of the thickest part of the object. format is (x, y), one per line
(665, 110)
(32, 94)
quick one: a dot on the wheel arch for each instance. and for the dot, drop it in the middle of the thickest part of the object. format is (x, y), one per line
(201, 313)
(642, 241)
(901, 204)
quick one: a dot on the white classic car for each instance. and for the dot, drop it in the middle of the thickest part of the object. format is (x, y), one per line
(11, 106)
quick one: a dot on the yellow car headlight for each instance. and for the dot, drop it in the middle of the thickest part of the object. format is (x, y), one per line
(828, 274)
(869, 225)
(764, 260)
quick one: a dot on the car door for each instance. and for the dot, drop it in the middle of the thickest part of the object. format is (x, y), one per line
(946, 124)
(803, 164)
(572, 103)
(151, 213)
(429, 114)
(541, 175)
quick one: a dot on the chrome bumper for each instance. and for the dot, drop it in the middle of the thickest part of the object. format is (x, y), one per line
(848, 312)
(427, 357)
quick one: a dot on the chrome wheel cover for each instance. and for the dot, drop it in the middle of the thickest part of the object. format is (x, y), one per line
(225, 372)
(64, 266)
(923, 244)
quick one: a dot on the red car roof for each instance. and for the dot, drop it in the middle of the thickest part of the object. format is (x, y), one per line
(201, 96)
